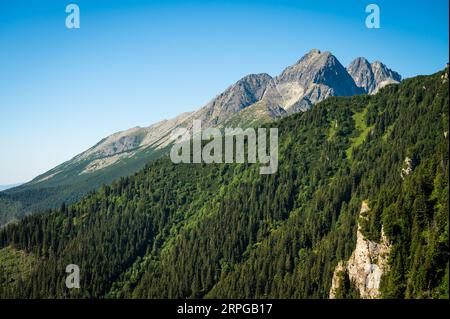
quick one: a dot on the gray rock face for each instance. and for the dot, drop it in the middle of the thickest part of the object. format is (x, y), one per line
(116, 143)
(320, 68)
(371, 77)
(243, 93)
(361, 72)
(316, 76)
(366, 265)
(382, 72)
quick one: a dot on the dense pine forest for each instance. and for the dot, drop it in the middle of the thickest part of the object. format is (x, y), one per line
(225, 231)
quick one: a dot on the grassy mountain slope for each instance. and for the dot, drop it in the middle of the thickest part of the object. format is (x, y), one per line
(42, 193)
(196, 230)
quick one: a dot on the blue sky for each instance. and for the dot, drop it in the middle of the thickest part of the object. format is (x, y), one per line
(133, 63)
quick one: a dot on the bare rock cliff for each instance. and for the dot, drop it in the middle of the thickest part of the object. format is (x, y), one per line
(366, 265)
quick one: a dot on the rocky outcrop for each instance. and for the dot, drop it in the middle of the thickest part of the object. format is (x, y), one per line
(407, 168)
(339, 271)
(316, 76)
(383, 76)
(361, 72)
(444, 77)
(366, 265)
(371, 77)
(237, 97)
(114, 144)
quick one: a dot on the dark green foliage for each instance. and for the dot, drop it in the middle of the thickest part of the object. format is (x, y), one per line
(346, 288)
(66, 185)
(195, 230)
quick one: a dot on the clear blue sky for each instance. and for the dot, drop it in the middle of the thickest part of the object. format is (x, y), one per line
(133, 63)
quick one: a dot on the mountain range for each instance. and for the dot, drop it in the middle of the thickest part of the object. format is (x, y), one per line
(358, 208)
(254, 99)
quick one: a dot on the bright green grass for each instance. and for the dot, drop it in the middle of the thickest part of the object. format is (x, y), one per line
(332, 130)
(362, 129)
(388, 132)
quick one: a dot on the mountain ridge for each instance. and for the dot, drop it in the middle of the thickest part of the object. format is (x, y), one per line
(255, 98)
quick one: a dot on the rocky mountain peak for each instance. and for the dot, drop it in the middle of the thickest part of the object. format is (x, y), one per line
(307, 67)
(310, 55)
(361, 72)
(313, 78)
(382, 72)
(359, 64)
(248, 90)
(371, 77)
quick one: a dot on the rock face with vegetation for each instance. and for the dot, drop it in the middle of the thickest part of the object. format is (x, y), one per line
(223, 230)
(366, 265)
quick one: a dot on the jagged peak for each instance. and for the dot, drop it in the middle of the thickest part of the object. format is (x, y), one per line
(311, 53)
(315, 54)
(313, 61)
(378, 63)
(371, 76)
(359, 61)
(379, 66)
(255, 76)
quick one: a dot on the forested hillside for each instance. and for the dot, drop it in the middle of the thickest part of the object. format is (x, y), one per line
(66, 184)
(224, 230)
(251, 101)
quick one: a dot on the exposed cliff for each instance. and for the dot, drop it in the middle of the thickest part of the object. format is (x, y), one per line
(366, 265)
(371, 77)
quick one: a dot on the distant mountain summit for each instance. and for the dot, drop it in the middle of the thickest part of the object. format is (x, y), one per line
(371, 77)
(254, 99)
(316, 76)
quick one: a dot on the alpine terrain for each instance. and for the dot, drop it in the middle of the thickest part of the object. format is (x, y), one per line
(255, 99)
(359, 206)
